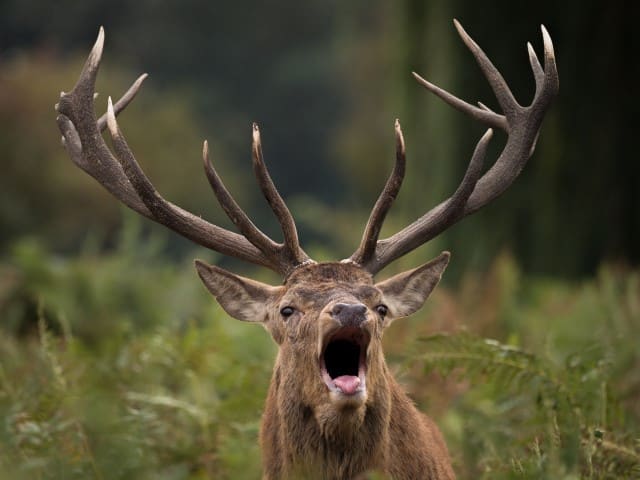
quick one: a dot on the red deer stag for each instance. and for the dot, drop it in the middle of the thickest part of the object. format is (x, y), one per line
(333, 410)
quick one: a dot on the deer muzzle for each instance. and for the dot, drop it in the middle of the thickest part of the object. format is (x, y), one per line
(343, 357)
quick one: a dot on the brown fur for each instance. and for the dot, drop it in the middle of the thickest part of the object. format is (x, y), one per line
(308, 433)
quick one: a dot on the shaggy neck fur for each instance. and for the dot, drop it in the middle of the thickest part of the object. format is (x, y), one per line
(318, 440)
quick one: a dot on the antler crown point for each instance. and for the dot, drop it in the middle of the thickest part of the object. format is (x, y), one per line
(546, 37)
(100, 40)
(443, 258)
(459, 27)
(399, 135)
(256, 134)
(111, 117)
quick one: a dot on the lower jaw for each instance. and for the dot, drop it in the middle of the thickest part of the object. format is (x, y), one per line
(342, 400)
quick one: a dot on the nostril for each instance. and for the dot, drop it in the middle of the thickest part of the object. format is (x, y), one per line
(337, 309)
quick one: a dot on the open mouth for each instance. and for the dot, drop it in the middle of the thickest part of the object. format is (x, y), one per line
(343, 361)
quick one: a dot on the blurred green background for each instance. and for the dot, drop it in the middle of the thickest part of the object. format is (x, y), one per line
(115, 363)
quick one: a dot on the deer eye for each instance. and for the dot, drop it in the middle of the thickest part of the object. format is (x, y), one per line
(287, 311)
(382, 310)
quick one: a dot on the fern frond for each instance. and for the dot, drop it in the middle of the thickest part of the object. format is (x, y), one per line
(483, 359)
(616, 460)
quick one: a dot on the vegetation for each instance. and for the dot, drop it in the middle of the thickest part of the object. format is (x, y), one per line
(121, 366)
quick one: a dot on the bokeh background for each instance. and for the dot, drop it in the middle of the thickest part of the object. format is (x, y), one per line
(114, 362)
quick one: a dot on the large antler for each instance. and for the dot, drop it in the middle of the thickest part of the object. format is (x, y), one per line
(122, 176)
(522, 125)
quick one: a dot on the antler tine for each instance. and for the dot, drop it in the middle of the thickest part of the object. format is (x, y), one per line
(522, 125)
(551, 85)
(484, 107)
(367, 247)
(161, 210)
(483, 115)
(81, 138)
(500, 88)
(141, 184)
(437, 219)
(233, 210)
(81, 132)
(538, 72)
(291, 247)
(121, 104)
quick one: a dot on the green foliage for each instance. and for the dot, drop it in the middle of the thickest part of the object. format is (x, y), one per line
(558, 413)
(122, 376)
(119, 365)
(129, 289)
(559, 398)
(166, 404)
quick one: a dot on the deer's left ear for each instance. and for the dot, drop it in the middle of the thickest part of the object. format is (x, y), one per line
(406, 292)
(242, 298)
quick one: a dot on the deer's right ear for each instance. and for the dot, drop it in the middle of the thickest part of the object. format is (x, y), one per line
(406, 292)
(242, 298)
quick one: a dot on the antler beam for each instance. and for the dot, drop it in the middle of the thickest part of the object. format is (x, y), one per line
(522, 125)
(123, 177)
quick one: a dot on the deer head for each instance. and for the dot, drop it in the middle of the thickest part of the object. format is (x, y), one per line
(327, 318)
(330, 380)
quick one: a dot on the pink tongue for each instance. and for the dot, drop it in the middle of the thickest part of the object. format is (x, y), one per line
(347, 383)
